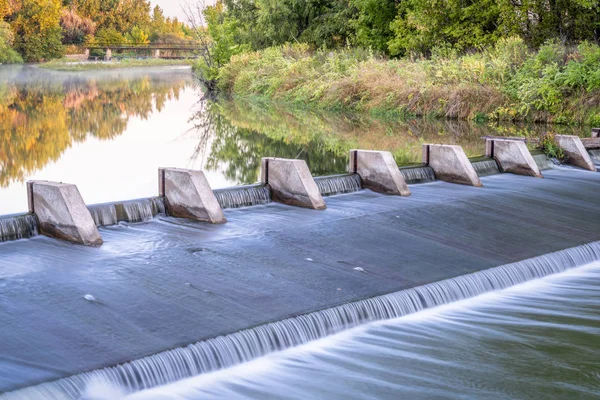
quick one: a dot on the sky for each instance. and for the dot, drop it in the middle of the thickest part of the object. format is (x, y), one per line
(171, 8)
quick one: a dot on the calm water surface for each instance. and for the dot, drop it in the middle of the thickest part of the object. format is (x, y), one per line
(538, 340)
(109, 132)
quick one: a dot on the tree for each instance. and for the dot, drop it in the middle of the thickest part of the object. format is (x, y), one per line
(75, 28)
(109, 36)
(7, 54)
(137, 36)
(372, 22)
(215, 32)
(422, 25)
(37, 30)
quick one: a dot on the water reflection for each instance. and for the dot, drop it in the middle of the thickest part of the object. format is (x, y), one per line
(44, 113)
(109, 131)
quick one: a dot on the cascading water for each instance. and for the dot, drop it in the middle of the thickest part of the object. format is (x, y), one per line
(595, 155)
(232, 349)
(243, 196)
(414, 175)
(486, 167)
(104, 214)
(543, 162)
(18, 227)
(337, 184)
(129, 211)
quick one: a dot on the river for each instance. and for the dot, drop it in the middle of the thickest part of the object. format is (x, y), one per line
(109, 131)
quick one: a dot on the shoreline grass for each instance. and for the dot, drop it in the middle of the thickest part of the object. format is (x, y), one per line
(507, 82)
(72, 65)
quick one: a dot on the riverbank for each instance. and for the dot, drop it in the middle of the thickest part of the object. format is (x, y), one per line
(506, 82)
(70, 65)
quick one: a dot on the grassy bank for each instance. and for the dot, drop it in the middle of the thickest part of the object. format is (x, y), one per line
(70, 65)
(504, 83)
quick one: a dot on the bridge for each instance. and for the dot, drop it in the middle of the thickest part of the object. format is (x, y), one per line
(155, 50)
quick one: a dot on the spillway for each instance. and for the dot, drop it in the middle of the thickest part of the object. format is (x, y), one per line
(543, 162)
(338, 184)
(246, 345)
(420, 174)
(595, 155)
(243, 196)
(165, 283)
(486, 167)
(18, 227)
(139, 210)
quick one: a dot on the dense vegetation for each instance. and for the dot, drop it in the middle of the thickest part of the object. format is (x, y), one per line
(36, 30)
(535, 60)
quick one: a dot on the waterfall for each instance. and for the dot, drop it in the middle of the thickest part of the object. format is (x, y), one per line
(243, 196)
(18, 227)
(595, 155)
(129, 211)
(226, 351)
(486, 167)
(104, 214)
(337, 184)
(422, 174)
(542, 161)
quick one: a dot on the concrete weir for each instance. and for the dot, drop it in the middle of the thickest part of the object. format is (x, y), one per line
(378, 171)
(62, 213)
(575, 150)
(291, 183)
(513, 156)
(188, 195)
(70, 309)
(450, 164)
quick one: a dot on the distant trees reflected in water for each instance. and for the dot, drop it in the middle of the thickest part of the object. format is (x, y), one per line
(41, 118)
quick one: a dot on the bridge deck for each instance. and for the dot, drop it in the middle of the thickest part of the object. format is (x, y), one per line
(168, 282)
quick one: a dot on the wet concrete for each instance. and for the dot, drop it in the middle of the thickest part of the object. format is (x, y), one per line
(169, 282)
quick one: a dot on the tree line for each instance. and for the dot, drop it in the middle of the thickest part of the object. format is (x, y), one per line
(404, 27)
(37, 30)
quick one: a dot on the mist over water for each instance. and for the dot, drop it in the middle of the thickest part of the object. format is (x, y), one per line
(538, 340)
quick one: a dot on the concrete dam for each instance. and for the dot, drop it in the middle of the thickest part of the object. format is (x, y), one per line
(142, 293)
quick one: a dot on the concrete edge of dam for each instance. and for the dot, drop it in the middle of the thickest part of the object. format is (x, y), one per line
(187, 193)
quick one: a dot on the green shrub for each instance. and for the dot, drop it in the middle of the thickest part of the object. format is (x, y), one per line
(550, 147)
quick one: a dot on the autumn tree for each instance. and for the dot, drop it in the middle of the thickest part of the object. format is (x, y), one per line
(74, 27)
(37, 30)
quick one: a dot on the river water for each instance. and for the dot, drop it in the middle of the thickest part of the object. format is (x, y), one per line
(538, 340)
(109, 131)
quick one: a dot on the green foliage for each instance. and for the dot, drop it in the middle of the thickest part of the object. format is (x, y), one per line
(372, 22)
(137, 36)
(422, 25)
(550, 147)
(503, 82)
(220, 45)
(7, 54)
(38, 35)
(109, 36)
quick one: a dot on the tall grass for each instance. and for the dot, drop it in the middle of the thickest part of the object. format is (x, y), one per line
(504, 82)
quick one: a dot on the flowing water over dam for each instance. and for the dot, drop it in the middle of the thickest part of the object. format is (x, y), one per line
(246, 345)
(534, 341)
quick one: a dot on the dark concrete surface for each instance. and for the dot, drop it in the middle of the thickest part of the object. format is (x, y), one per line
(170, 282)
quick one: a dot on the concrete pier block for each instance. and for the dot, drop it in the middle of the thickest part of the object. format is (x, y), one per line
(513, 156)
(291, 183)
(188, 195)
(450, 164)
(595, 132)
(108, 55)
(62, 213)
(576, 151)
(378, 171)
